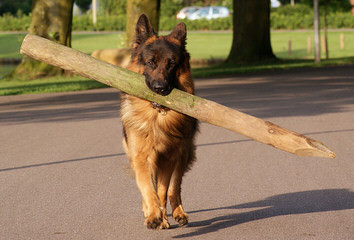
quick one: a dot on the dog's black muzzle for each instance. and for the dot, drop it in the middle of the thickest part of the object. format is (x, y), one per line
(159, 87)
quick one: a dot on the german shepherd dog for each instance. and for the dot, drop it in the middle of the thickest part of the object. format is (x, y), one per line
(158, 141)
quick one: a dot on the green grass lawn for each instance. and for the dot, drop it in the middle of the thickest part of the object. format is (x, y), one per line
(201, 45)
(4, 69)
(299, 44)
(47, 85)
(204, 45)
(10, 43)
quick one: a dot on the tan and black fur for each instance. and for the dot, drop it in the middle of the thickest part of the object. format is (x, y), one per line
(158, 141)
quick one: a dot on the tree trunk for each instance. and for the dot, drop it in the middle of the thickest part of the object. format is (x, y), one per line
(51, 19)
(137, 7)
(251, 35)
(316, 26)
(325, 29)
(94, 12)
(194, 106)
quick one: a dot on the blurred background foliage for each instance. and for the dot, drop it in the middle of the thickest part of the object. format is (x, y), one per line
(15, 15)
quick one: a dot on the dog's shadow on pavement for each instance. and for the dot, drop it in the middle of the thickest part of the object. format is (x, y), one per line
(284, 204)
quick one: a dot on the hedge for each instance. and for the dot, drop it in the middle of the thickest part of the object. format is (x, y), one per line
(12, 23)
(104, 23)
(167, 24)
(301, 17)
(280, 19)
(117, 23)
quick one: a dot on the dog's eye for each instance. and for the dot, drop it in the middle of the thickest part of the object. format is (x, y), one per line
(150, 63)
(171, 63)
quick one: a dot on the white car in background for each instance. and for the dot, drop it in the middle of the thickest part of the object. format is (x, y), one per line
(185, 12)
(209, 13)
(275, 3)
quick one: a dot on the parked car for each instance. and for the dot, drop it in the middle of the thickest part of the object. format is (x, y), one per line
(275, 3)
(209, 13)
(185, 12)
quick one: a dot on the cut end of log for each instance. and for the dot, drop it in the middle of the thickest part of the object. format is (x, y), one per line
(296, 143)
(22, 51)
(318, 150)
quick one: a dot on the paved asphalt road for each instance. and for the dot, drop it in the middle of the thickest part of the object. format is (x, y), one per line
(64, 175)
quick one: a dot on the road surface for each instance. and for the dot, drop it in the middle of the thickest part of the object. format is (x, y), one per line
(64, 175)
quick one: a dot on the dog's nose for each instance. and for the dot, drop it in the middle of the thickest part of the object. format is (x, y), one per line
(160, 88)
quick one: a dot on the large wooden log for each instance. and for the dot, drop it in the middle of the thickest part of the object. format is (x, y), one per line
(194, 106)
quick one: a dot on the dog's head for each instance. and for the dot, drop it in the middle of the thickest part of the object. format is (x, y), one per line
(159, 56)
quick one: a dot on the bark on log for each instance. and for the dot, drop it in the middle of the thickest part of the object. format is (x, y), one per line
(194, 106)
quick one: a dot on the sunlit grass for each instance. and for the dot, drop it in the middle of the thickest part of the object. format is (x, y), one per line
(280, 41)
(47, 85)
(228, 69)
(10, 45)
(88, 43)
(201, 45)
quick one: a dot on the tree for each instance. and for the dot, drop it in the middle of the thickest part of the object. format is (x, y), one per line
(51, 19)
(134, 9)
(316, 26)
(251, 35)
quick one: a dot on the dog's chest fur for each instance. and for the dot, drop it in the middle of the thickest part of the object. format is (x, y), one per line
(140, 115)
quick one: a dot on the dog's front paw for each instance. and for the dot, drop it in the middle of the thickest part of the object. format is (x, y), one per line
(180, 216)
(153, 222)
(182, 220)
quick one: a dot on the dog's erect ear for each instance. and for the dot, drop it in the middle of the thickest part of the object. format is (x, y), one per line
(180, 32)
(143, 29)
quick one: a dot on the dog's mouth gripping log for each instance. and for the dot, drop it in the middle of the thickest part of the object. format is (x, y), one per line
(132, 83)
